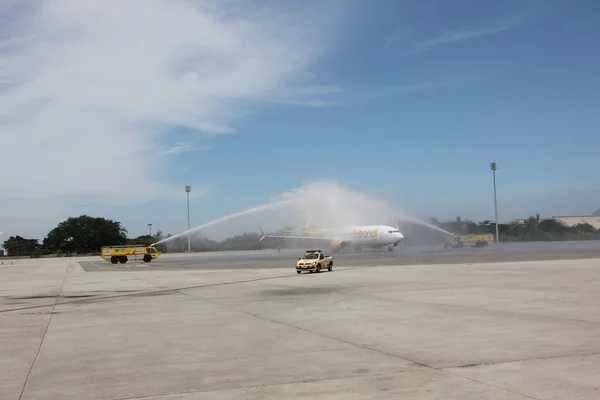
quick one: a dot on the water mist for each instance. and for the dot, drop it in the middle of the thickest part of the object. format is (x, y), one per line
(333, 206)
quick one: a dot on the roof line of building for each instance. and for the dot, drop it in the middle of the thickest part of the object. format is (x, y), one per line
(577, 216)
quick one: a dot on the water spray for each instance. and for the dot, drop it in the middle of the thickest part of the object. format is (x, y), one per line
(333, 206)
(253, 210)
(405, 217)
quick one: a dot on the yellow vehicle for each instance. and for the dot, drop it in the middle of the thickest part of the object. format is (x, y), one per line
(457, 241)
(121, 254)
(314, 261)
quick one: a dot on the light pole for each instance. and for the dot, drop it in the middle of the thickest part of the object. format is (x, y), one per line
(188, 189)
(494, 167)
(150, 229)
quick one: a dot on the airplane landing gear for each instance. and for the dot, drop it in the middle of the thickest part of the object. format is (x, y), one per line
(391, 248)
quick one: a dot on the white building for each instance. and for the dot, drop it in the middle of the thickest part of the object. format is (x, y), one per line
(570, 221)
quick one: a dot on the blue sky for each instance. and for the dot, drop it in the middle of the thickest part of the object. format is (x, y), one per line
(409, 100)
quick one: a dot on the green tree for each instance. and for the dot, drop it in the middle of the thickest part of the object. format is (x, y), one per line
(434, 221)
(533, 228)
(247, 241)
(145, 240)
(167, 247)
(85, 234)
(19, 246)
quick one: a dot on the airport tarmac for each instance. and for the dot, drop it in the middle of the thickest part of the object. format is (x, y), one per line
(368, 257)
(418, 324)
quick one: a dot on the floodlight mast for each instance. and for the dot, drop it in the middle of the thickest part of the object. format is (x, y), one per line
(188, 189)
(494, 167)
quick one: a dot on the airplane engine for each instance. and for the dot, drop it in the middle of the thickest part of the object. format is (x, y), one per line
(337, 245)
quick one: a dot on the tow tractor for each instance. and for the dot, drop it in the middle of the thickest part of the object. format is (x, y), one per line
(314, 261)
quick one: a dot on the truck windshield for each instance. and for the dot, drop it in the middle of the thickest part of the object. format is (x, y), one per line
(310, 256)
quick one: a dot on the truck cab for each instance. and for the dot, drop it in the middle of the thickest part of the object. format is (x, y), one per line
(314, 261)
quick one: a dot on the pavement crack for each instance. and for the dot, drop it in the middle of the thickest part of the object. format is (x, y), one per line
(150, 292)
(490, 385)
(514, 314)
(302, 329)
(485, 364)
(259, 386)
(37, 353)
(145, 293)
(360, 346)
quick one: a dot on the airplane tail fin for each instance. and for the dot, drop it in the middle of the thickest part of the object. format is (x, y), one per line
(262, 233)
(310, 224)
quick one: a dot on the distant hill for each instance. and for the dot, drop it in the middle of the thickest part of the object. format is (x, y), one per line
(597, 213)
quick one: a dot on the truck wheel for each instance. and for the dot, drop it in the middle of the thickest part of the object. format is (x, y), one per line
(319, 268)
(123, 259)
(298, 272)
(330, 266)
(114, 259)
(147, 258)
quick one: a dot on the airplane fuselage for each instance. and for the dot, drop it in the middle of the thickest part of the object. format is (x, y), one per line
(375, 236)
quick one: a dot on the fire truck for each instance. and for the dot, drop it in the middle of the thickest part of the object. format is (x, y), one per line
(121, 254)
(458, 241)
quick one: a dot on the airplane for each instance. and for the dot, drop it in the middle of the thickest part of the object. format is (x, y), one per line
(374, 236)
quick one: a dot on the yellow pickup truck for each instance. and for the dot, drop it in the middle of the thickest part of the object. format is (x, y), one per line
(314, 261)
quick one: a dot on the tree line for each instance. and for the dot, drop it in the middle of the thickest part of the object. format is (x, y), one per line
(86, 235)
(532, 229)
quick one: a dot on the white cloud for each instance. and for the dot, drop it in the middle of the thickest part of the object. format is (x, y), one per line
(181, 147)
(461, 35)
(88, 87)
(405, 35)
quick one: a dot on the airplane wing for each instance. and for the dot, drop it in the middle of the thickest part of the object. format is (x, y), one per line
(312, 231)
(297, 236)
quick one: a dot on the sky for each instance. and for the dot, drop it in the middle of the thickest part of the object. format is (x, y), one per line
(110, 108)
